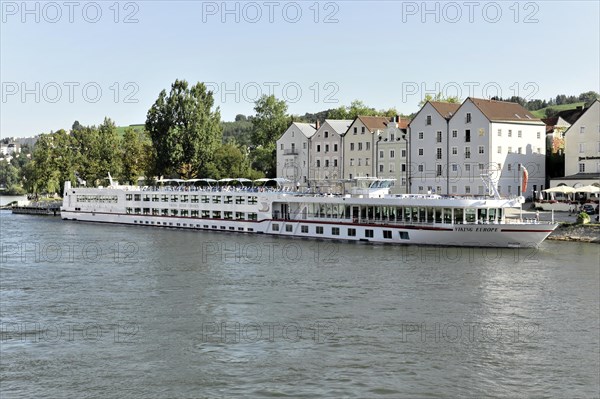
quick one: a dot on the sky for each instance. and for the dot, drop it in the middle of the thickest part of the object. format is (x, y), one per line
(82, 60)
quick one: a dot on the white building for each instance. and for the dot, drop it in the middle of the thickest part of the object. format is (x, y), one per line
(481, 137)
(428, 159)
(359, 146)
(326, 156)
(582, 149)
(392, 154)
(293, 153)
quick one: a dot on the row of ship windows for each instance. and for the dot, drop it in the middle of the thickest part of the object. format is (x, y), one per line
(198, 226)
(192, 213)
(335, 231)
(98, 198)
(204, 199)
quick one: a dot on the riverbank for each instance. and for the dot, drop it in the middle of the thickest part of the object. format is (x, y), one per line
(577, 232)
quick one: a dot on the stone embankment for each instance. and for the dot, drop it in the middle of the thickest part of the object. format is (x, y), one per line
(577, 232)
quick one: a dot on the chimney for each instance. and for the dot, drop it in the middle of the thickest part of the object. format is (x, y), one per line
(318, 125)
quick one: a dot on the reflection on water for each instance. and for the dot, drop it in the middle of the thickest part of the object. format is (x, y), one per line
(92, 310)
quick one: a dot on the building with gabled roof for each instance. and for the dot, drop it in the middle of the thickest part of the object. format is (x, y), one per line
(359, 146)
(481, 137)
(293, 149)
(326, 156)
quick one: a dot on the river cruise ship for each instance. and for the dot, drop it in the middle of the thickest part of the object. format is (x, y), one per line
(368, 213)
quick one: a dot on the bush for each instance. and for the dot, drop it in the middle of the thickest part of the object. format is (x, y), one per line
(583, 218)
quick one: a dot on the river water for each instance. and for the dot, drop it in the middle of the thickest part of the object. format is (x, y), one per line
(90, 310)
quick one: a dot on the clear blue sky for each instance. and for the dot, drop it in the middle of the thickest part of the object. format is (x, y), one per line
(387, 54)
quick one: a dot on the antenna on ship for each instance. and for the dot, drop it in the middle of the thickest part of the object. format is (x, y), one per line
(491, 185)
(110, 180)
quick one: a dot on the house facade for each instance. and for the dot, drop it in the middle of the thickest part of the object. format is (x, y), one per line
(326, 156)
(483, 137)
(391, 151)
(429, 151)
(293, 148)
(359, 146)
(582, 143)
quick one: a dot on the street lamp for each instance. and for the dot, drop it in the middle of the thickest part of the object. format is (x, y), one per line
(379, 137)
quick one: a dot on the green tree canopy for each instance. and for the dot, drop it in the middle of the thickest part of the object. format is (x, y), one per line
(184, 130)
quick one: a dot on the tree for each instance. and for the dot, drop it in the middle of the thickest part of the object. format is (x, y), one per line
(135, 152)
(439, 98)
(270, 121)
(109, 144)
(232, 161)
(184, 130)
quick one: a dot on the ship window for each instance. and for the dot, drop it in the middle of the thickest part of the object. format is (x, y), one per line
(194, 199)
(228, 215)
(335, 231)
(252, 200)
(352, 232)
(403, 235)
(205, 226)
(216, 199)
(184, 198)
(174, 198)
(194, 213)
(184, 212)
(387, 234)
(155, 198)
(128, 197)
(232, 228)
(275, 227)
(137, 197)
(216, 214)
(304, 229)
(128, 210)
(155, 211)
(239, 200)
(319, 229)
(165, 198)
(288, 228)
(146, 198)
(239, 215)
(178, 224)
(204, 199)
(240, 229)
(138, 211)
(223, 228)
(174, 212)
(228, 199)
(369, 233)
(250, 229)
(164, 212)
(252, 216)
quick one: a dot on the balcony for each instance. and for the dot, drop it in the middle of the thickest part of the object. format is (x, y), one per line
(292, 151)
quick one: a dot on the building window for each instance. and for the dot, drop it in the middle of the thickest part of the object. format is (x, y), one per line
(392, 154)
(368, 145)
(380, 168)
(351, 161)
(467, 189)
(454, 167)
(380, 154)
(509, 167)
(438, 171)
(481, 166)
(304, 146)
(467, 152)
(318, 163)
(467, 136)
(318, 148)
(510, 150)
(335, 148)
(403, 167)
(392, 137)
(438, 137)
(499, 149)
(499, 132)
(428, 120)
(282, 146)
(467, 167)
(539, 135)
(519, 134)
(392, 167)
(581, 147)
(326, 134)
(359, 146)
(351, 232)
(359, 161)
(355, 130)
(438, 153)
(509, 133)
(327, 163)
(335, 162)
(520, 150)
(335, 231)
(454, 150)
(326, 147)
(582, 130)
(454, 134)
(403, 154)
(362, 130)
(420, 151)
(351, 146)
(366, 161)
(581, 168)
(420, 168)
(420, 135)
(481, 149)
(468, 119)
